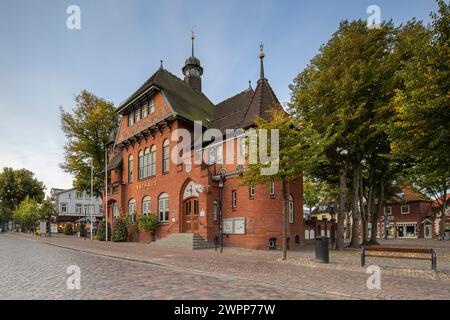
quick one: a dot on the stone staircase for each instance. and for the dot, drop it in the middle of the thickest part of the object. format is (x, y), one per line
(183, 240)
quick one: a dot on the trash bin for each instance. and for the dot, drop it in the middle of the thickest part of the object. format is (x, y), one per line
(322, 250)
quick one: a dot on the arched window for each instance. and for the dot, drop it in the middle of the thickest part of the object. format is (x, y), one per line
(130, 168)
(141, 165)
(163, 207)
(153, 161)
(147, 162)
(291, 209)
(132, 210)
(166, 156)
(115, 210)
(146, 205)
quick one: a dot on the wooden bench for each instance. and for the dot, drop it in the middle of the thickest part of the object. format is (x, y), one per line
(366, 252)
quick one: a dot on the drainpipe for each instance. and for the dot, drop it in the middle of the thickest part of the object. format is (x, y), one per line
(221, 180)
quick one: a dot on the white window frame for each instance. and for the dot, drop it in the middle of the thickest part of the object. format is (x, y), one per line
(130, 119)
(151, 106)
(130, 168)
(153, 161)
(146, 205)
(163, 208)
(79, 208)
(166, 156)
(251, 191)
(64, 207)
(79, 195)
(291, 209)
(401, 209)
(389, 212)
(233, 199)
(132, 210)
(272, 189)
(115, 210)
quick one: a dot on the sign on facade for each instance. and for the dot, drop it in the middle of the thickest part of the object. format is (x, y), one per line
(234, 226)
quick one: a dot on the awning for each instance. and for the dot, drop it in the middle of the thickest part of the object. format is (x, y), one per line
(115, 162)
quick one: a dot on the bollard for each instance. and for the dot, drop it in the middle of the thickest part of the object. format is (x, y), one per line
(363, 257)
(433, 260)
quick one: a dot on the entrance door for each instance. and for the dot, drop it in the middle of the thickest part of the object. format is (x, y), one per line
(427, 231)
(190, 212)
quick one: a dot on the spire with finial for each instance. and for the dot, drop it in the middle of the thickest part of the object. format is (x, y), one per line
(193, 40)
(161, 65)
(192, 69)
(261, 57)
(250, 84)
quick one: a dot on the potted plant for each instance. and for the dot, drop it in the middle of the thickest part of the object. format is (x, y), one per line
(120, 230)
(68, 229)
(149, 223)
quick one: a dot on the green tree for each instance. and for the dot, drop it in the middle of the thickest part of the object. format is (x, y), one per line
(314, 192)
(344, 93)
(27, 214)
(298, 148)
(421, 129)
(87, 130)
(15, 187)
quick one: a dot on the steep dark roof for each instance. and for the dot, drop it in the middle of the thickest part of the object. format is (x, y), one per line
(185, 101)
(115, 162)
(231, 111)
(263, 100)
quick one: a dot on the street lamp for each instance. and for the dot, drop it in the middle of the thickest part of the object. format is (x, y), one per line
(221, 178)
(92, 196)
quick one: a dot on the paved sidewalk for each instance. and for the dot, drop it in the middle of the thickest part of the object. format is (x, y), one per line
(342, 278)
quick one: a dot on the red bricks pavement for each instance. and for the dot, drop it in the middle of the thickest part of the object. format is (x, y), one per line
(342, 278)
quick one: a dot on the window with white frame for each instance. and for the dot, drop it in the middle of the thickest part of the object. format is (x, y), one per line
(153, 161)
(215, 210)
(151, 107)
(86, 209)
(132, 210)
(405, 209)
(141, 164)
(130, 119)
(163, 207)
(115, 210)
(234, 199)
(166, 156)
(137, 115)
(63, 207)
(145, 110)
(272, 189)
(291, 209)
(146, 163)
(78, 208)
(79, 195)
(251, 190)
(130, 168)
(388, 210)
(146, 205)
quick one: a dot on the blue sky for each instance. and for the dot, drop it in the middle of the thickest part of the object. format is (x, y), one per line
(120, 44)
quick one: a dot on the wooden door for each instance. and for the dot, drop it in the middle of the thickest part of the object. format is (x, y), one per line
(191, 213)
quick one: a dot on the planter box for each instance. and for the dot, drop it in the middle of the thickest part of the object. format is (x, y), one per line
(145, 236)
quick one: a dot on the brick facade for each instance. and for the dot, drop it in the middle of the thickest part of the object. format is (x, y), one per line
(260, 215)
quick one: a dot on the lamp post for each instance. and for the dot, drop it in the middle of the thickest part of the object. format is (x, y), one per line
(220, 178)
(332, 231)
(92, 197)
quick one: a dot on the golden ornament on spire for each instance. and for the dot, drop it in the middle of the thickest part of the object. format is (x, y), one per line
(261, 54)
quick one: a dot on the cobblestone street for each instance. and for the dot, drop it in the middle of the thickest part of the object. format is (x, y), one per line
(35, 268)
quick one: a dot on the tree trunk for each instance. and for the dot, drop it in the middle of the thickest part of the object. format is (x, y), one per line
(444, 208)
(377, 214)
(341, 210)
(284, 248)
(354, 243)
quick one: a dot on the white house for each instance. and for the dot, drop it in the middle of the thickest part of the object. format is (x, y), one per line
(73, 205)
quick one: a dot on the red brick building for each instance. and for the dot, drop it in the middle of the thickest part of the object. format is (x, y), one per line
(409, 216)
(186, 198)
